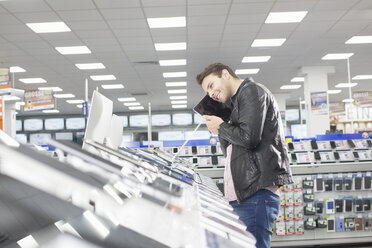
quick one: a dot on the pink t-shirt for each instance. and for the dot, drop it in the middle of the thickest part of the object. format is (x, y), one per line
(229, 184)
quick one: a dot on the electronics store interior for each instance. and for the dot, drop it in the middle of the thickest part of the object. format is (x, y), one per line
(101, 143)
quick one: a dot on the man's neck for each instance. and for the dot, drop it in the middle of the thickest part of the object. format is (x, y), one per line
(235, 85)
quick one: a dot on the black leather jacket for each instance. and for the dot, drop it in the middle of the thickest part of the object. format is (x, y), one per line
(259, 153)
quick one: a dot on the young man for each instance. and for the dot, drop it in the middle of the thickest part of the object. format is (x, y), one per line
(257, 163)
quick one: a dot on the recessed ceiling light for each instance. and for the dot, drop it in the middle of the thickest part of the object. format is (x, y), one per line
(127, 99)
(346, 85)
(77, 101)
(170, 46)
(64, 95)
(268, 42)
(348, 100)
(73, 50)
(359, 40)
(175, 84)
(303, 102)
(102, 77)
(16, 69)
(290, 87)
(167, 22)
(178, 102)
(255, 59)
(172, 62)
(333, 56)
(32, 80)
(174, 74)
(50, 111)
(333, 91)
(90, 66)
(112, 86)
(362, 77)
(298, 79)
(285, 17)
(177, 97)
(79, 105)
(179, 106)
(183, 91)
(247, 71)
(48, 27)
(132, 104)
(54, 89)
(136, 108)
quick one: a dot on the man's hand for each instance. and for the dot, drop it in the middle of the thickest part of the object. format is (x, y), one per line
(213, 123)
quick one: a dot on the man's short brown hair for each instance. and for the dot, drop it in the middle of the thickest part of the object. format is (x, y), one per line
(215, 69)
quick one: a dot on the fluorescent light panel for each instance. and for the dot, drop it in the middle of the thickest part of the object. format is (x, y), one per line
(174, 74)
(268, 42)
(77, 101)
(359, 40)
(50, 111)
(247, 71)
(170, 46)
(330, 92)
(54, 89)
(298, 79)
(64, 95)
(178, 102)
(132, 104)
(346, 85)
(179, 106)
(28, 242)
(348, 100)
(362, 77)
(167, 22)
(102, 77)
(32, 80)
(177, 97)
(286, 17)
(175, 84)
(136, 108)
(79, 105)
(335, 56)
(90, 66)
(112, 86)
(48, 27)
(290, 87)
(16, 69)
(127, 99)
(182, 91)
(256, 59)
(172, 62)
(73, 50)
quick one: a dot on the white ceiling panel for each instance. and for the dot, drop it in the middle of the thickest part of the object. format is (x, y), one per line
(210, 20)
(168, 31)
(13, 29)
(198, 30)
(131, 32)
(127, 13)
(80, 15)
(58, 38)
(71, 4)
(205, 10)
(152, 3)
(3, 11)
(38, 17)
(128, 24)
(203, 2)
(22, 38)
(251, 18)
(330, 5)
(8, 19)
(293, 6)
(87, 25)
(277, 30)
(251, 8)
(113, 4)
(238, 28)
(156, 12)
(86, 34)
(359, 15)
(25, 6)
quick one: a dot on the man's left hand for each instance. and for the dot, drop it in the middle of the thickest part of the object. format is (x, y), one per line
(213, 123)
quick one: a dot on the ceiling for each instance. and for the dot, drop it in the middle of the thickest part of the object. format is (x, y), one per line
(117, 33)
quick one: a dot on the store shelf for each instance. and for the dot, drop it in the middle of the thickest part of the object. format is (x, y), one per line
(339, 238)
(212, 172)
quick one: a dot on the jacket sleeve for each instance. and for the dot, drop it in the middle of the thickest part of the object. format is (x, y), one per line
(252, 108)
(224, 144)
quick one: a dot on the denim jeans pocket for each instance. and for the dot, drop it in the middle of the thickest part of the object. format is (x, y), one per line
(272, 210)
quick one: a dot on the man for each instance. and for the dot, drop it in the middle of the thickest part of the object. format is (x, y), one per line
(257, 163)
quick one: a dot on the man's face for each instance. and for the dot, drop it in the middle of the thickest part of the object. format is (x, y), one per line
(218, 88)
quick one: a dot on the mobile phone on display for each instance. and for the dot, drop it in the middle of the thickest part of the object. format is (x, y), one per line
(314, 145)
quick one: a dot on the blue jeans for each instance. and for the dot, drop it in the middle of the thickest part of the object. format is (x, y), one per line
(259, 212)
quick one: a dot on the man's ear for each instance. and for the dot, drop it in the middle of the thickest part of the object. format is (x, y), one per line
(225, 74)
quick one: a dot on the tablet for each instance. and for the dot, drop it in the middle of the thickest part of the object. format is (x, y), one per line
(208, 106)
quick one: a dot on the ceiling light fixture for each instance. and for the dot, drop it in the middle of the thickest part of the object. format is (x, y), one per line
(172, 62)
(16, 69)
(182, 91)
(247, 71)
(77, 101)
(73, 50)
(177, 97)
(54, 89)
(359, 40)
(179, 106)
(348, 100)
(90, 66)
(332, 92)
(48, 27)
(132, 104)
(127, 99)
(175, 84)
(32, 80)
(346, 85)
(297, 79)
(290, 87)
(170, 46)
(112, 86)
(178, 102)
(136, 108)
(335, 56)
(64, 95)
(51, 111)
(268, 42)
(102, 77)
(255, 59)
(174, 74)
(286, 17)
(167, 22)
(362, 77)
